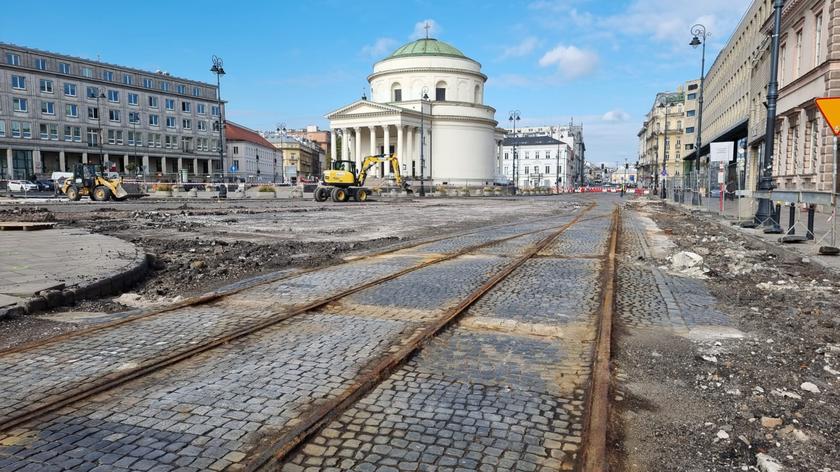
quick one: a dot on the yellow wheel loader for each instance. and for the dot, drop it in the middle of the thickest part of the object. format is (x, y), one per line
(343, 182)
(89, 179)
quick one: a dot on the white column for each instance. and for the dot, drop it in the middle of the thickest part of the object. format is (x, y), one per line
(125, 162)
(333, 145)
(62, 162)
(37, 164)
(105, 158)
(372, 130)
(401, 144)
(386, 145)
(146, 165)
(345, 144)
(84, 158)
(180, 163)
(163, 168)
(10, 167)
(195, 166)
(357, 136)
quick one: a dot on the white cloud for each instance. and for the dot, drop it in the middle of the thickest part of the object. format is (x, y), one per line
(615, 116)
(420, 29)
(380, 47)
(509, 80)
(524, 48)
(571, 61)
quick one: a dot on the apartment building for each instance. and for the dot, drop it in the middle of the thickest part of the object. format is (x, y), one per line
(58, 110)
(302, 158)
(542, 161)
(571, 134)
(252, 158)
(665, 136)
(318, 136)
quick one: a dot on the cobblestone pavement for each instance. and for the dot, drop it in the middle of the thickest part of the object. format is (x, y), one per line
(502, 389)
(32, 378)
(207, 413)
(648, 297)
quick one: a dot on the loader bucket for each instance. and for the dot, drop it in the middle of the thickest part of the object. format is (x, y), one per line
(120, 192)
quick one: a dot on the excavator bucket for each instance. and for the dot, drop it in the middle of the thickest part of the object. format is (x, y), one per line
(119, 191)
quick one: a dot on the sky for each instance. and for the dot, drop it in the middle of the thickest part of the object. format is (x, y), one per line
(597, 62)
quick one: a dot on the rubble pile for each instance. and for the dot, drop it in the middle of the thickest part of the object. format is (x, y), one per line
(768, 401)
(27, 214)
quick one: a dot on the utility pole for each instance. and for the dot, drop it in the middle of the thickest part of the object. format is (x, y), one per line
(764, 214)
(514, 117)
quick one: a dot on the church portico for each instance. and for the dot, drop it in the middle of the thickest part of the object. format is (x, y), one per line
(426, 98)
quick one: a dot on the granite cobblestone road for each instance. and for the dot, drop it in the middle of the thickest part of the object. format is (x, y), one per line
(211, 411)
(502, 389)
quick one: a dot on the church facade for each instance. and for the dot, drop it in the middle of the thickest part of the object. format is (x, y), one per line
(428, 87)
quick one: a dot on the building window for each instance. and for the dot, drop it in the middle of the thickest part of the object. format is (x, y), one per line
(2, 128)
(153, 102)
(87, 72)
(164, 85)
(19, 82)
(818, 39)
(91, 92)
(20, 104)
(41, 63)
(186, 124)
(527, 154)
(196, 91)
(798, 64)
(70, 90)
(547, 169)
(236, 149)
(689, 130)
(169, 104)
(215, 126)
(536, 154)
(526, 170)
(133, 99)
(92, 137)
(114, 115)
(93, 113)
(108, 75)
(12, 59)
(170, 122)
(214, 110)
(113, 96)
(47, 108)
(397, 95)
(691, 96)
(782, 63)
(506, 155)
(201, 125)
(128, 79)
(64, 68)
(691, 113)
(148, 83)
(440, 94)
(200, 108)
(46, 86)
(186, 107)
(134, 117)
(182, 89)
(154, 120)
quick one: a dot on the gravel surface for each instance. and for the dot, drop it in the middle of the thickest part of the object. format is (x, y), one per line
(691, 403)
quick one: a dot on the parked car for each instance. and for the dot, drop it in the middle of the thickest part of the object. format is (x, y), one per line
(45, 185)
(22, 186)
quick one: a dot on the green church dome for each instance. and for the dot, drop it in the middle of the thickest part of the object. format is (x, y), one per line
(427, 47)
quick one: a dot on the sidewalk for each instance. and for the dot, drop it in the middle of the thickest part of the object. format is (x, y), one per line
(808, 249)
(42, 269)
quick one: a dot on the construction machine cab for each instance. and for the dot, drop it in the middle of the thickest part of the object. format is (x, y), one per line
(89, 179)
(346, 166)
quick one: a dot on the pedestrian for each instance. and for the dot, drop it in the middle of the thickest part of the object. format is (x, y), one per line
(623, 189)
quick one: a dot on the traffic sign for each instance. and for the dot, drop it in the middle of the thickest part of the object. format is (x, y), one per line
(830, 109)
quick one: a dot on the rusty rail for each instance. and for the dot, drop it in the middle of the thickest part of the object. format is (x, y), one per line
(286, 441)
(594, 449)
(113, 380)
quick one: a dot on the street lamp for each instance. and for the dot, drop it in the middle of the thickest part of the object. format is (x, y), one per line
(513, 118)
(765, 183)
(219, 70)
(100, 95)
(700, 36)
(424, 97)
(557, 170)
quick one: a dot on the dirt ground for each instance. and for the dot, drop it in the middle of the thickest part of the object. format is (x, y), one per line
(764, 401)
(198, 246)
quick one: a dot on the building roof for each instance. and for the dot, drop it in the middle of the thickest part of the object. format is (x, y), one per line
(531, 141)
(234, 132)
(427, 47)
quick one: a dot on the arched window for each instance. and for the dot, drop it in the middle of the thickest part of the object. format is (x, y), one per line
(440, 91)
(477, 94)
(396, 92)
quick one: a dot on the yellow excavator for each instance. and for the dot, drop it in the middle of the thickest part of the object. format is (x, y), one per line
(343, 183)
(90, 180)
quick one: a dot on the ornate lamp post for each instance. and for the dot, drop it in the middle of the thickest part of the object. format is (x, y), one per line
(423, 99)
(700, 36)
(219, 70)
(514, 117)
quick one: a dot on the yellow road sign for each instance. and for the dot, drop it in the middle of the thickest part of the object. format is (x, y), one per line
(830, 109)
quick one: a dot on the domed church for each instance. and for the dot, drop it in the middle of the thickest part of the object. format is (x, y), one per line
(431, 81)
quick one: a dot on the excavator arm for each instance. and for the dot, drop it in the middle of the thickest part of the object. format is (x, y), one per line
(371, 161)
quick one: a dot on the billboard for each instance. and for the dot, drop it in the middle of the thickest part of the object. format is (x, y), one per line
(722, 152)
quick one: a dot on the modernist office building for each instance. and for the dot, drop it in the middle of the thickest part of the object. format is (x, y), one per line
(58, 110)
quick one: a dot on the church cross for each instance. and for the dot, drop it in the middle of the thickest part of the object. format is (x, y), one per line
(427, 29)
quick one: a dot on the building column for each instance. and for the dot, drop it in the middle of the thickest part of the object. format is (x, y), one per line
(345, 144)
(163, 168)
(126, 162)
(84, 158)
(357, 136)
(400, 145)
(146, 165)
(372, 144)
(409, 149)
(333, 145)
(386, 145)
(105, 158)
(10, 167)
(62, 162)
(195, 166)
(180, 163)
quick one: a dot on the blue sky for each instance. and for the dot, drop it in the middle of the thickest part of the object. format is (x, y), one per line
(600, 62)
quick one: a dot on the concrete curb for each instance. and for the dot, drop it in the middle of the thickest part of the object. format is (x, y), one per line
(111, 284)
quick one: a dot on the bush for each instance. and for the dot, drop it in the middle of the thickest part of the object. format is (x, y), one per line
(266, 188)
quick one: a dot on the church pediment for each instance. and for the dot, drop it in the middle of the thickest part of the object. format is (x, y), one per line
(364, 107)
